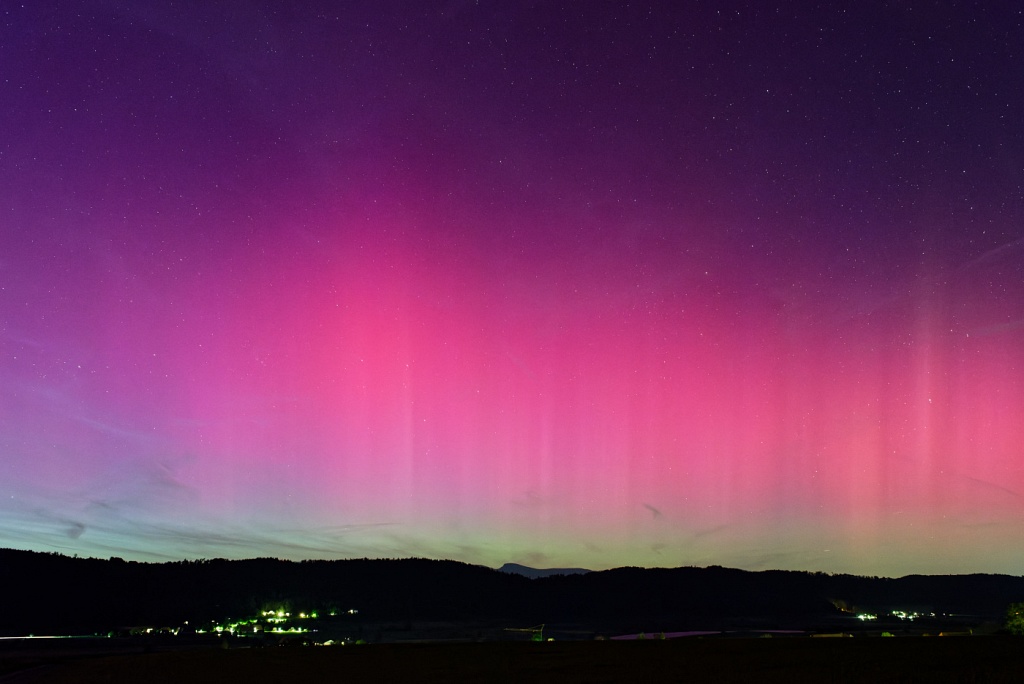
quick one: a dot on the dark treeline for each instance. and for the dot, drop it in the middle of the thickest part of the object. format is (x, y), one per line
(54, 593)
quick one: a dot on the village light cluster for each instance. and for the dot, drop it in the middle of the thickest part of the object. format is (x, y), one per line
(276, 621)
(901, 614)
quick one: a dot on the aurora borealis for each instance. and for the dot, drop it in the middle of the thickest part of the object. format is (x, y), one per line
(564, 284)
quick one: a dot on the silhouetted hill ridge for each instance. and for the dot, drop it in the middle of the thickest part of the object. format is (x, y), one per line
(534, 573)
(55, 593)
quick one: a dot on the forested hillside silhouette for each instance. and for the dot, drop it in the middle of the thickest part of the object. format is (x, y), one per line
(52, 593)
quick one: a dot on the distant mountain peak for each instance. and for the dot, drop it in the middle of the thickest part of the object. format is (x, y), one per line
(533, 573)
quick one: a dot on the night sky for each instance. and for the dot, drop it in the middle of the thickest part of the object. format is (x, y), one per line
(565, 284)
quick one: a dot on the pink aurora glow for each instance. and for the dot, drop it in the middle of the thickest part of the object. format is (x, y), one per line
(477, 329)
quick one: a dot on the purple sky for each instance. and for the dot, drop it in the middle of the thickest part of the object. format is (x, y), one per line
(564, 284)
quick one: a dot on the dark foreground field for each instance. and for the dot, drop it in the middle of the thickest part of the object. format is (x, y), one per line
(946, 659)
